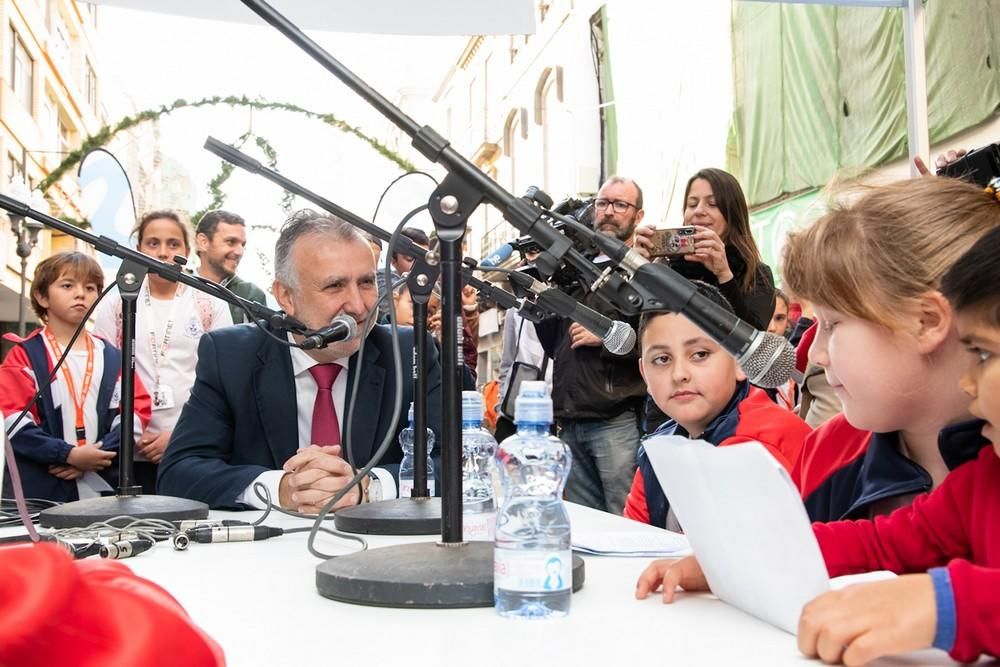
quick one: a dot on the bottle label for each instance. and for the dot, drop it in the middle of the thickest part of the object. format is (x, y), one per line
(406, 487)
(532, 571)
(479, 527)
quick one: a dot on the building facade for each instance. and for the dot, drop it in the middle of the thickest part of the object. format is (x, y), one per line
(50, 99)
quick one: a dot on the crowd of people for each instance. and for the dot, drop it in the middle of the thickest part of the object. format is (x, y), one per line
(891, 301)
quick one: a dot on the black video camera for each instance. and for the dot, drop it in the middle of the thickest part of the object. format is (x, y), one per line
(581, 210)
(979, 166)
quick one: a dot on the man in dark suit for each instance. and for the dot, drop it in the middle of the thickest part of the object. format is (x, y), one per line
(260, 411)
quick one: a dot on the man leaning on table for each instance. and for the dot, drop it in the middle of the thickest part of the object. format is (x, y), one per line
(260, 411)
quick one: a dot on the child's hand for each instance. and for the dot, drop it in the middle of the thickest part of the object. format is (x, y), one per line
(152, 445)
(90, 457)
(862, 622)
(670, 574)
(68, 473)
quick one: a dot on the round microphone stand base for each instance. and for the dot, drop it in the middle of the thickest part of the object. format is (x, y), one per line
(400, 516)
(428, 575)
(80, 513)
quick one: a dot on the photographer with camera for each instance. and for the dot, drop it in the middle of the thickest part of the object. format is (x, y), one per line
(725, 253)
(597, 396)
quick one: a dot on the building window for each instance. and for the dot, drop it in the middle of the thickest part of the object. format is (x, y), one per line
(90, 85)
(21, 70)
(15, 169)
(59, 47)
(65, 137)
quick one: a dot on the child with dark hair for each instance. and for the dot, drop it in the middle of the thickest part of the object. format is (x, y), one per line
(946, 544)
(66, 444)
(705, 394)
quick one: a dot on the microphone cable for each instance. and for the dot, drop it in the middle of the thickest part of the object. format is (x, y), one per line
(390, 434)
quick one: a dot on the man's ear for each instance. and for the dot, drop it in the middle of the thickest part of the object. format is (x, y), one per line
(201, 241)
(283, 295)
(642, 371)
(935, 321)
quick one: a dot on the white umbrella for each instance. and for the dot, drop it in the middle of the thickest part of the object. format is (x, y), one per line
(399, 17)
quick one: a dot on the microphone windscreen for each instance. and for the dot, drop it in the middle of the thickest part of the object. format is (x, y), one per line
(620, 338)
(772, 362)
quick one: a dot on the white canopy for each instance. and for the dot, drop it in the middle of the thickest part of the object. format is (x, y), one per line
(398, 17)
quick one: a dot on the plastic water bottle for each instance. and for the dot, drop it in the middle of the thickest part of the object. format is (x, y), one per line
(406, 467)
(532, 561)
(478, 450)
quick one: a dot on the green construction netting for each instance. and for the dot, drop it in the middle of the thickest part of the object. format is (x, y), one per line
(821, 89)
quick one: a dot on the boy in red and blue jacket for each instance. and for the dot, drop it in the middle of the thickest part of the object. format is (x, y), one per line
(73, 428)
(945, 545)
(704, 392)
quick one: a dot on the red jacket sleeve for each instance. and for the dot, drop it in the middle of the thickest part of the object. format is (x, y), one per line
(956, 524)
(928, 533)
(16, 386)
(977, 606)
(635, 503)
(143, 406)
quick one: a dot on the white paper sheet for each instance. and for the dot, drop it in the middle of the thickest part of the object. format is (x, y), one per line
(746, 524)
(649, 544)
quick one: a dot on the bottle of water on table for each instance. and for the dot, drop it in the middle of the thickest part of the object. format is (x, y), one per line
(406, 465)
(478, 450)
(532, 559)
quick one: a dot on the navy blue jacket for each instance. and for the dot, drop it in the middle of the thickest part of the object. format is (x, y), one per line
(241, 418)
(843, 472)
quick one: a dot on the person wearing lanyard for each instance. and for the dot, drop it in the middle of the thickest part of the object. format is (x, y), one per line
(170, 319)
(66, 445)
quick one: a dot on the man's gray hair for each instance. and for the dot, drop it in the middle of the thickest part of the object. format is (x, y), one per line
(306, 223)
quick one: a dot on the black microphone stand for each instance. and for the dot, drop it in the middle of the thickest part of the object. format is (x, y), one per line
(129, 500)
(449, 573)
(420, 514)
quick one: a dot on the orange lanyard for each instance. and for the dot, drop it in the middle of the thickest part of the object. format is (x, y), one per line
(81, 429)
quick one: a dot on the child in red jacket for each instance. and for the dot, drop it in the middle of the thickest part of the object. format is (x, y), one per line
(946, 544)
(704, 392)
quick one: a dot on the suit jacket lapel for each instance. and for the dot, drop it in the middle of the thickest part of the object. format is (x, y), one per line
(274, 389)
(368, 412)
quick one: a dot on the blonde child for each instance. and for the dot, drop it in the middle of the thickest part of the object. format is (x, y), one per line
(888, 344)
(946, 544)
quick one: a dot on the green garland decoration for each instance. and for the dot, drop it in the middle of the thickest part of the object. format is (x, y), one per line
(226, 170)
(108, 132)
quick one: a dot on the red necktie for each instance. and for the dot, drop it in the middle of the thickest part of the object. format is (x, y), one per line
(325, 426)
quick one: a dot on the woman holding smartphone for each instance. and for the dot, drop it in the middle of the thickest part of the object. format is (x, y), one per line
(725, 253)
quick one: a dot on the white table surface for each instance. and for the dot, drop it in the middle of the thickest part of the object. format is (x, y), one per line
(259, 602)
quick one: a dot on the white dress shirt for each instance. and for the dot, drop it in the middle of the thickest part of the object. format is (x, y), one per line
(305, 395)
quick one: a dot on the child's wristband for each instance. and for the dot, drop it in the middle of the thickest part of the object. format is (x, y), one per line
(944, 601)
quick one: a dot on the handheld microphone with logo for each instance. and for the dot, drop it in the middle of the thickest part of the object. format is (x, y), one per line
(343, 327)
(767, 359)
(497, 257)
(618, 337)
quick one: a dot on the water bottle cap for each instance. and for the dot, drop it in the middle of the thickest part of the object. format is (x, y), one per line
(472, 406)
(533, 404)
(410, 414)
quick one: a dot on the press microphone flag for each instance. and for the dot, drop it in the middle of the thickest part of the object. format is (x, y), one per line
(497, 257)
